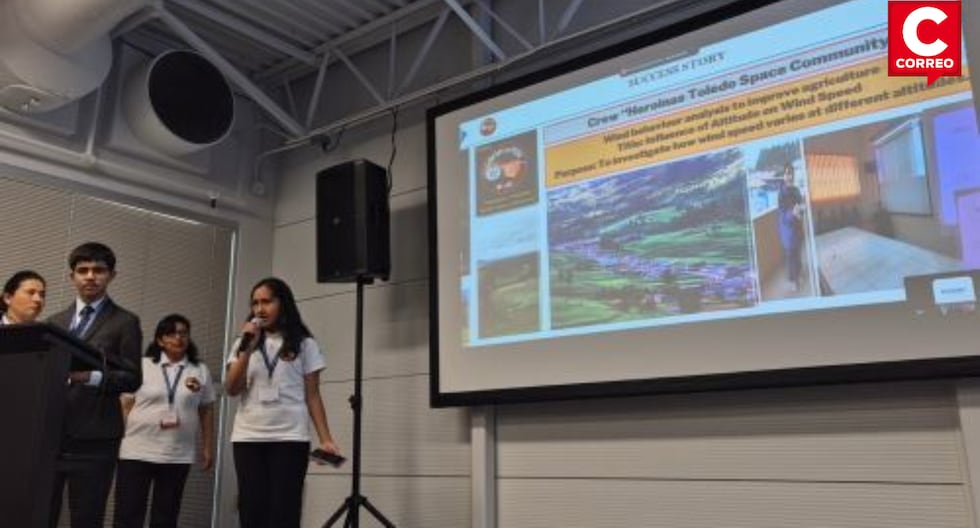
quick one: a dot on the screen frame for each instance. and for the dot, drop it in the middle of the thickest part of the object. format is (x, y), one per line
(912, 369)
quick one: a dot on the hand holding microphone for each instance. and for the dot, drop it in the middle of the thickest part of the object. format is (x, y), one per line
(250, 332)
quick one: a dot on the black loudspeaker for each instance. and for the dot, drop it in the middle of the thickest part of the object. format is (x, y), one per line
(352, 230)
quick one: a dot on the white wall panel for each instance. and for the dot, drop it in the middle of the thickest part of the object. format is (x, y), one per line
(905, 432)
(605, 503)
(409, 237)
(332, 319)
(401, 435)
(396, 330)
(968, 397)
(294, 260)
(296, 185)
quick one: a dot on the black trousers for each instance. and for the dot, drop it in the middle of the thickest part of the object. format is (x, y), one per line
(133, 481)
(270, 483)
(87, 467)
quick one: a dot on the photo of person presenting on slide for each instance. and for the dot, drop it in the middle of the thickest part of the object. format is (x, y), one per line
(791, 238)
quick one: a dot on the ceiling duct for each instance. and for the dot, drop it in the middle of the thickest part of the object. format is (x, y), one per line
(178, 103)
(53, 52)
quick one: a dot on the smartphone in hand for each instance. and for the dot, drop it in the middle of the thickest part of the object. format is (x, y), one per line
(322, 457)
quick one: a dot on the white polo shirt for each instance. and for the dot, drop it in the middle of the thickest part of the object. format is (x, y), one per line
(145, 440)
(274, 410)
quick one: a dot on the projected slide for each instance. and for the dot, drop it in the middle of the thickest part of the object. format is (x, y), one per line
(750, 202)
(737, 179)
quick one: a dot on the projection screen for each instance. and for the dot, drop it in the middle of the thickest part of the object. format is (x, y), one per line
(727, 202)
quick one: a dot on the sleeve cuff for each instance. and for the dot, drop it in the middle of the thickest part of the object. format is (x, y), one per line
(95, 378)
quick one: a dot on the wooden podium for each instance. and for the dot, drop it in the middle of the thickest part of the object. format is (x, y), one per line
(34, 363)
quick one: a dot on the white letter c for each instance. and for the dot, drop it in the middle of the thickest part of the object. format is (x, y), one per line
(911, 36)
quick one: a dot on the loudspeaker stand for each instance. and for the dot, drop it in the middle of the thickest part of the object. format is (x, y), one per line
(352, 504)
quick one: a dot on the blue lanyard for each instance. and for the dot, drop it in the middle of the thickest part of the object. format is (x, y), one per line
(171, 387)
(269, 365)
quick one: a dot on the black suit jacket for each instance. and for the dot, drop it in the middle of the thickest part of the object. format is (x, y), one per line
(94, 413)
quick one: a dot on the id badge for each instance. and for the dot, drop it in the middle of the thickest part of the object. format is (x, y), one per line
(169, 420)
(269, 393)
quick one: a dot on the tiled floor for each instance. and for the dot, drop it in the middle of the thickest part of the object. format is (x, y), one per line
(854, 260)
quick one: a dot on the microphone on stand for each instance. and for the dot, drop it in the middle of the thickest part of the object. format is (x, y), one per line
(247, 337)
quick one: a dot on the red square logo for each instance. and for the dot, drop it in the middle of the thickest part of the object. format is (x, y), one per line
(924, 38)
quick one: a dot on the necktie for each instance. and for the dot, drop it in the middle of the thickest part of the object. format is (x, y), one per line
(83, 320)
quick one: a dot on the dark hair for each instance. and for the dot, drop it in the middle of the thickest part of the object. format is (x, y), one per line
(166, 326)
(15, 281)
(92, 252)
(289, 322)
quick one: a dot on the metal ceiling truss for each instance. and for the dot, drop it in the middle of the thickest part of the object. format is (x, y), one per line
(288, 69)
(559, 37)
(361, 16)
(477, 29)
(231, 72)
(244, 28)
(423, 53)
(504, 25)
(317, 88)
(396, 90)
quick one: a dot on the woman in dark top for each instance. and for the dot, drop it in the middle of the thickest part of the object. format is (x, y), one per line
(791, 226)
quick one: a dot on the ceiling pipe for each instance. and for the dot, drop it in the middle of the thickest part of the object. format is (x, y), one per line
(69, 27)
(54, 52)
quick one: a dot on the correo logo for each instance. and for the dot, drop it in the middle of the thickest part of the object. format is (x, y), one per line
(924, 39)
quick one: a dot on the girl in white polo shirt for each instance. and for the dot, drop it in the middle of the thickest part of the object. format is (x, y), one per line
(277, 374)
(162, 422)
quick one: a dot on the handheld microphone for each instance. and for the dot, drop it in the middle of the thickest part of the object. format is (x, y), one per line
(247, 337)
(322, 457)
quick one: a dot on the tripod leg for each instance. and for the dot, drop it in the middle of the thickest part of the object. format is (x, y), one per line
(340, 511)
(353, 503)
(377, 514)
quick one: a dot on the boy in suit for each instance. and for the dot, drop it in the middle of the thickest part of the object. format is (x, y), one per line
(93, 425)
